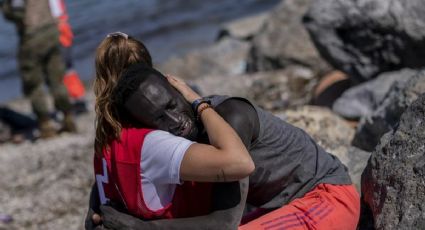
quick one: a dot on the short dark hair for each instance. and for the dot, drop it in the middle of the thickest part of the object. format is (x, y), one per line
(127, 85)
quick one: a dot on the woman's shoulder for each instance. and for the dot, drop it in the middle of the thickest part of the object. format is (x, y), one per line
(135, 130)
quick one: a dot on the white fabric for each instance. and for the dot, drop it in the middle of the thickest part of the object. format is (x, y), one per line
(100, 179)
(162, 154)
(56, 8)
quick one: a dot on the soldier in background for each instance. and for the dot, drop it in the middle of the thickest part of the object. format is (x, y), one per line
(40, 61)
(75, 87)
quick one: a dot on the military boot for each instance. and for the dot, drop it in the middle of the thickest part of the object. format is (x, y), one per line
(68, 123)
(47, 128)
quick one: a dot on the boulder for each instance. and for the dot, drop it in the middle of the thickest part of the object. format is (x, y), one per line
(361, 100)
(331, 132)
(243, 29)
(393, 185)
(366, 37)
(236, 85)
(326, 127)
(386, 116)
(226, 57)
(283, 40)
(272, 90)
(294, 87)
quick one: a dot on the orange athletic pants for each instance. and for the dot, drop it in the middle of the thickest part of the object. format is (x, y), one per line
(327, 207)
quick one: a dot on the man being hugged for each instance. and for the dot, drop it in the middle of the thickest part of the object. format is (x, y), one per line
(295, 184)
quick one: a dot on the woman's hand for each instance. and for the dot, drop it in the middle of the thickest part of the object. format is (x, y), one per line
(183, 88)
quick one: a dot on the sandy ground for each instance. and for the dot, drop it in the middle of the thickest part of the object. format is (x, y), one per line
(45, 185)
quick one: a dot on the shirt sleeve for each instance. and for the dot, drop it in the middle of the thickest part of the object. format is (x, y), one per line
(162, 154)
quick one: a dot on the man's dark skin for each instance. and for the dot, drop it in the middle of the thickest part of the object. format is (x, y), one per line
(169, 111)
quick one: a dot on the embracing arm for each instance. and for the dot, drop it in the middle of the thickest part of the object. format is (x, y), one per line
(92, 218)
(220, 219)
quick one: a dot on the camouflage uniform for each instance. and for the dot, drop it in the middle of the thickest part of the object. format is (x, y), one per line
(40, 59)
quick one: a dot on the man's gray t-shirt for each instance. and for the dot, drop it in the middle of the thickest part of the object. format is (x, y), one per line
(288, 162)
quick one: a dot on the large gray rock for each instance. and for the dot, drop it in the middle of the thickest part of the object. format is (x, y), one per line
(271, 90)
(393, 183)
(331, 132)
(366, 37)
(386, 116)
(283, 40)
(363, 99)
(327, 128)
(293, 88)
(243, 29)
(226, 57)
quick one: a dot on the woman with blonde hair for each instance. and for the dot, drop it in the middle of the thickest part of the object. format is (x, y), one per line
(141, 166)
(113, 56)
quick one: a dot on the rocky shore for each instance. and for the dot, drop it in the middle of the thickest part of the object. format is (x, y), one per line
(45, 184)
(284, 61)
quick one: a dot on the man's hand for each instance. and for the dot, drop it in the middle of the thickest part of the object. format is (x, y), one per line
(93, 220)
(113, 219)
(188, 93)
(230, 202)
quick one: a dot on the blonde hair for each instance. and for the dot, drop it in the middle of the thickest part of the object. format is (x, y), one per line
(113, 56)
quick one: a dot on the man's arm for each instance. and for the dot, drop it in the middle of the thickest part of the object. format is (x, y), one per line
(243, 118)
(93, 209)
(220, 219)
(228, 198)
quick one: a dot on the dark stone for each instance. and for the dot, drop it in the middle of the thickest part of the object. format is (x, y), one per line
(366, 37)
(284, 41)
(386, 116)
(393, 183)
(366, 217)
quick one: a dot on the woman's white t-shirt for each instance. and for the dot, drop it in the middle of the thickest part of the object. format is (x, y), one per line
(162, 154)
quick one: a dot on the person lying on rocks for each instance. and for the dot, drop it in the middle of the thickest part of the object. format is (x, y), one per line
(16, 127)
(295, 184)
